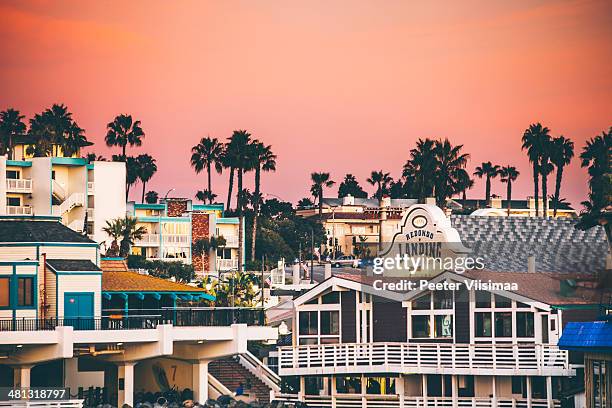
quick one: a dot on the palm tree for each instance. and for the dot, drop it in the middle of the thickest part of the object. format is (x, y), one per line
(489, 171)
(151, 197)
(146, 169)
(350, 186)
(463, 183)
(319, 182)
(113, 229)
(265, 160)
(381, 180)
(132, 171)
(562, 152)
(123, 131)
(450, 163)
(51, 130)
(91, 157)
(509, 174)
(204, 246)
(130, 232)
(546, 168)
(534, 141)
(305, 203)
(205, 195)
(74, 140)
(596, 156)
(419, 170)
(11, 126)
(204, 154)
(241, 151)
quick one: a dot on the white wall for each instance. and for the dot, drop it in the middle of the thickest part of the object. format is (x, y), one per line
(2, 185)
(41, 176)
(109, 196)
(79, 283)
(75, 378)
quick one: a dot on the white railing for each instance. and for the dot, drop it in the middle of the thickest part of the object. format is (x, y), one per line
(19, 185)
(43, 403)
(148, 239)
(217, 387)
(260, 370)
(58, 190)
(231, 241)
(426, 358)
(226, 264)
(393, 401)
(74, 200)
(175, 239)
(90, 187)
(18, 210)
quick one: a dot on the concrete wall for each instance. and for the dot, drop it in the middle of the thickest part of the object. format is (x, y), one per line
(179, 374)
(41, 175)
(79, 283)
(2, 185)
(109, 196)
(73, 378)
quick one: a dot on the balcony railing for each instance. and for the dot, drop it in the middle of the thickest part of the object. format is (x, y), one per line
(428, 358)
(231, 241)
(18, 210)
(148, 239)
(180, 317)
(174, 239)
(226, 264)
(393, 401)
(18, 185)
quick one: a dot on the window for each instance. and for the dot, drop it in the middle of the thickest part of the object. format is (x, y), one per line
(503, 324)
(53, 174)
(330, 323)
(5, 292)
(224, 253)
(483, 299)
(306, 341)
(380, 385)
(483, 325)
(443, 299)
(420, 326)
(331, 298)
(309, 323)
(524, 324)
(519, 385)
(502, 301)
(422, 303)
(12, 174)
(443, 326)
(13, 201)
(25, 292)
(348, 385)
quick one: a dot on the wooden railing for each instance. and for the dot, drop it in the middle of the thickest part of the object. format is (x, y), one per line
(419, 358)
(393, 401)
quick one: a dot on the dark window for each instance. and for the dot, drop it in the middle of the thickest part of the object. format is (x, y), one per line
(483, 324)
(25, 292)
(519, 385)
(503, 324)
(53, 174)
(314, 301)
(502, 301)
(331, 298)
(522, 305)
(13, 201)
(545, 329)
(224, 253)
(466, 385)
(348, 385)
(420, 326)
(12, 174)
(524, 324)
(422, 303)
(308, 323)
(330, 323)
(443, 299)
(483, 299)
(5, 292)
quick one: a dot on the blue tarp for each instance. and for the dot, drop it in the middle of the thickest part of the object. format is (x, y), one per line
(587, 336)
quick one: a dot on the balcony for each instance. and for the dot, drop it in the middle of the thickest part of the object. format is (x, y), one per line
(231, 241)
(148, 240)
(176, 239)
(424, 358)
(226, 264)
(18, 210)
(18, 185)
(90, 187)
(189, 317)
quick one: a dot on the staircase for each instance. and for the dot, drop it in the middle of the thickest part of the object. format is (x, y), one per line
(74, 200)
(231, 373)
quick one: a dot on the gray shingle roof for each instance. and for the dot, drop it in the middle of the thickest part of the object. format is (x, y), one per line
(32, 230)
(73, 265)
(506, 242)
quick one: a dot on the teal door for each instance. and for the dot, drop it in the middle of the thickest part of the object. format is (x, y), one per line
(79, 310)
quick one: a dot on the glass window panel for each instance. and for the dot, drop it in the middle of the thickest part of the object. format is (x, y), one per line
(503, 324)
(502, 301)
(443, 325)
(331, 298)
(25, 292)
(483, 299)
(307, 341)
(330, 323)
(308, 323)
(5, 288)
(483, 324)
(422, 303)
(443, 299)
(420, 326)
(524, 324)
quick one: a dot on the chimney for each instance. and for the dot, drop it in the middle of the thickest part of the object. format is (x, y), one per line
(531, 264)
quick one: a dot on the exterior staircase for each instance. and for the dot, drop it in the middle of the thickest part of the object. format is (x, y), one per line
(233, 371)
(72, 201)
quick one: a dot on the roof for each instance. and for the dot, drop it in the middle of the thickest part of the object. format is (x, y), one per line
(113, 265)
(33, 229)
(135, 282)
(369, 202)
(587, 336)
(514, 204)
(72, 265)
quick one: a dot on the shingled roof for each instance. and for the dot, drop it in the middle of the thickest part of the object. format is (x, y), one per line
(38, 229)
(72, 265)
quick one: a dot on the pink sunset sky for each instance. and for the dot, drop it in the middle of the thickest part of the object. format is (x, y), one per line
(336, 86)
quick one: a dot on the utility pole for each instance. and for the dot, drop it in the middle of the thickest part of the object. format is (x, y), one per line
(263, 266)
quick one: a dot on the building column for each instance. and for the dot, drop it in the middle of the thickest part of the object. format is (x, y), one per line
(200, 381)
(494, 391)
(455, 389)
(399, 389)
(21, 376)
(333, 391)
(424, 385)
(529, 392)
(549, 397)
(125, 379)
(302, 391)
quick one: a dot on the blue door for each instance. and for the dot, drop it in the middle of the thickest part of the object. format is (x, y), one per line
(79, 310)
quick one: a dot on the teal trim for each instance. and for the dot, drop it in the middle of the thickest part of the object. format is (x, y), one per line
(90, 166)
(14, 292)
(49, 244)
(576, 307)
(80, 307)
(229, 220)
(31, 217)
(9, 263)
(51, 188)
(191, 239)
(19, 163)
(162, 219)
(149, 206)
(111, 259)
(208, 207)
(158, 294)
(34, 294)
(70, 161)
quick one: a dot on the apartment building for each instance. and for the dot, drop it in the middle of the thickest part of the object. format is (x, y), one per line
(71, 319)
(83, 194)
(175, 224)
(497, 207)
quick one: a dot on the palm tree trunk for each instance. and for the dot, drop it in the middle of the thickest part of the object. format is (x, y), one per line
(230, 188)
(509, 195)
(144, 183)
(321, 203)
(536, 191)
(127, 191)
(123, 149)
(209, 183)
(559, 177)
(239, 197)
(255, 211)
(10, 147)
(544, 195)
(463, 197)
(488, 190)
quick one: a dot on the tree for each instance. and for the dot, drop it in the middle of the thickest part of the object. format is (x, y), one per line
(205, 195)
(420, 168)
(206, 153)
(11, 126)
(241, 150)
(74, 140)
(305, 203)
(273, 208)
(151, 197)
(381, 180)
(54, 131)
(509, 174)
(91, 157)
(562, 152)
(450, 163)
(489, 171)
(350, 186)
(132, 171)
(319, 182)
(130, 231)
(534, 141)
(124, 131)
(205, 245)
(113, 229)
(546, 168)
(264, 160)
(146, 169)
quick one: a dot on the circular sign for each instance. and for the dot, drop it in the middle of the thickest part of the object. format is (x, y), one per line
(419, 221)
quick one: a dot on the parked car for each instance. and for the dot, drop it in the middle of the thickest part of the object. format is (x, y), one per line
(345, 260)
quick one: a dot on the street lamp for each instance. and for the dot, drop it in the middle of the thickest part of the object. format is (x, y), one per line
(169, 191)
